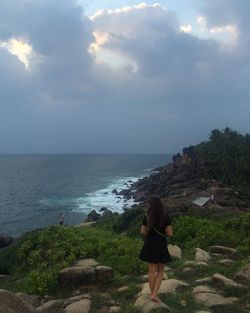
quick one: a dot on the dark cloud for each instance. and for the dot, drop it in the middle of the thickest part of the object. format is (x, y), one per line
(67, 102)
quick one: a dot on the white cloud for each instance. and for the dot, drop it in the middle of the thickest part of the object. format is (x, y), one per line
(21, 49)
(201, 20)
(125, 9)
(186, 28)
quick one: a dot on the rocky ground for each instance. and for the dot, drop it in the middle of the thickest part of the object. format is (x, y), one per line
(184, 180)
(212, 281)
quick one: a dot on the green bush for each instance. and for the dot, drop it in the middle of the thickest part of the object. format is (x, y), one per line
(57, 247)
(234, 232)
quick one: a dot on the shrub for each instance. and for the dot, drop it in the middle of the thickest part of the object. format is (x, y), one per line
(57, 247)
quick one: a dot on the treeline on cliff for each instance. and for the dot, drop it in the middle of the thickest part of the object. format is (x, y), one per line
(227, 153)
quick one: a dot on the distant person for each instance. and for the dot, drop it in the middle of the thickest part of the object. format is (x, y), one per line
(61, 219)
(156, 226)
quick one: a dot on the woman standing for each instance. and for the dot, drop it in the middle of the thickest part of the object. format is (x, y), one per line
(155, 227)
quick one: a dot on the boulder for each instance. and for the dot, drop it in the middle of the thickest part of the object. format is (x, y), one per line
(103, 273)
(5, 241)
(226, 262)
(75, 276)
(146, 305)
(188, 269)
(203, 289)
(103, 209)
(93, 216)
(115, 191)
(170, 286)
(175, 251)
(212, 300)
(244, 275)
(227, 282)
(49, 307)
(223, 250)
(107, 213)
(204, 280)
(201, 255)
(85, 263)
(10, 303)
(32, 300)
(82, 306)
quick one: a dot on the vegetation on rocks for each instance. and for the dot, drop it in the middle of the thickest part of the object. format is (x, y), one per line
(227, 153)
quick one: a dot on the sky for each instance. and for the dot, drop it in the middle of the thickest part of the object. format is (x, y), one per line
(116, 76)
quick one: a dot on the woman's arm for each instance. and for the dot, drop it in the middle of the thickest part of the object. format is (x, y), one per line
(169, 231)
(144, 230)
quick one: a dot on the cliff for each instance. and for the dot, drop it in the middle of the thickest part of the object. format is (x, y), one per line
(185, 180)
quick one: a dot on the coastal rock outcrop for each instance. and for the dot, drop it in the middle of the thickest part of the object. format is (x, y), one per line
(5, 241)
(93, 216)
(182, 182)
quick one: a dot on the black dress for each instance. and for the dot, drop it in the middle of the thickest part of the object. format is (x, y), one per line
(154, 249)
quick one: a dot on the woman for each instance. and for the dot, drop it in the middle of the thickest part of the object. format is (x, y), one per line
(155, 227)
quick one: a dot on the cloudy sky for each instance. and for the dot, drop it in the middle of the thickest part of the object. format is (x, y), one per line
(121, 76)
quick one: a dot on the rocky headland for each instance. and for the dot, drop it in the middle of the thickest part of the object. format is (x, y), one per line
(184, 180)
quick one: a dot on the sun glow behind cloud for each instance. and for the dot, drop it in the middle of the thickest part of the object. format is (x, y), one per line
(20, 49)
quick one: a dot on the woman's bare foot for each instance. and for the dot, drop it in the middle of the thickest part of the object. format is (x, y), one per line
(155, 299)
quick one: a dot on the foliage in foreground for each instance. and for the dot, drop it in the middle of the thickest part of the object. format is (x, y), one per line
(39, 256)
(190, 232)
(54, 248)
(195, 232)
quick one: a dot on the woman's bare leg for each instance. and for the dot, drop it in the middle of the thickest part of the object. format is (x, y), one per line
(157, 282)
(152, 269)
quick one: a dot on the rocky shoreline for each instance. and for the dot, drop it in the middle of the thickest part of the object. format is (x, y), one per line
(183, 181)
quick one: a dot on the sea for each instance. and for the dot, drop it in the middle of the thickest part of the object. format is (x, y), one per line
(35, 189)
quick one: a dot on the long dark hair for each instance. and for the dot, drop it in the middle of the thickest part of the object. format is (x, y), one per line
(155, 214)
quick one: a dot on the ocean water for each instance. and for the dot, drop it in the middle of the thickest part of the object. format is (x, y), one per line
(34, 189)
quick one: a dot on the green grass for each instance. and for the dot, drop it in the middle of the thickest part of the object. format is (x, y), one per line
(42, 254)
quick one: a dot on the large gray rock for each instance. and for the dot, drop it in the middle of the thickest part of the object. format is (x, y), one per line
(212, 300)
(244, 275)
(226, 262)
(227, 282)
(33, 300)
(146, 305)
(85, 263)
(49, 307)
(204, 280)
(203, 289)
(223, 250)
(170, 286)
(107, 213)
(82, 306)
(103, 273)
(74, 276)
(10, 303)
(93, 216)
(201, 255)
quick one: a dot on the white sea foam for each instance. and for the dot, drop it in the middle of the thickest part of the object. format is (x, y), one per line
(97, 199)
(106, 198)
